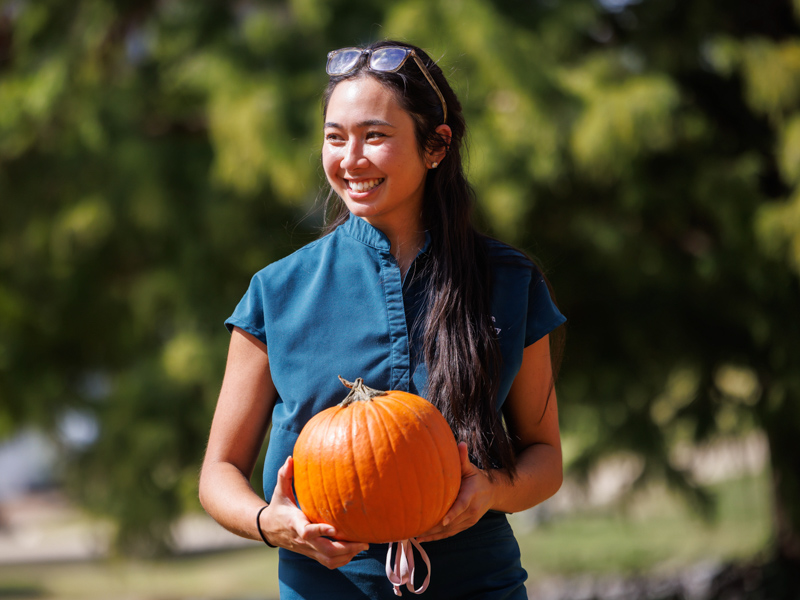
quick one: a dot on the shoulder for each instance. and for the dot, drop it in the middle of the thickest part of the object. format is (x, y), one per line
(301, 261)
(502, 257)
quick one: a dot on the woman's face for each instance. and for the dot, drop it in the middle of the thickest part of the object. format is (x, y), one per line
(371, 157)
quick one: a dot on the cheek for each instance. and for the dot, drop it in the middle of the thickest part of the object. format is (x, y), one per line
(387, 158)
(330, 163)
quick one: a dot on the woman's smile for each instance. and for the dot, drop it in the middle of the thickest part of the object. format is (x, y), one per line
(362, 187)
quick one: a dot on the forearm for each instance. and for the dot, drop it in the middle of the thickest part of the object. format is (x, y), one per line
(228, 497)
(539, 476)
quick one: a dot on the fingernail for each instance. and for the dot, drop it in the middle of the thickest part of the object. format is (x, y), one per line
(445, 521)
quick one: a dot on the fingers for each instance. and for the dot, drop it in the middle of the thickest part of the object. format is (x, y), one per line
(286, 472)
(339, 547)
(296, 533)
(292, 530)
(335, 557)
(470, 504)
(464, 498)
(463, 454)
(455, 523)
(330, 553)
(459, 506)
(283, 490)
(311, 531)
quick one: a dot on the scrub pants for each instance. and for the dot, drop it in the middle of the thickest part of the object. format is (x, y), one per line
(482, 562)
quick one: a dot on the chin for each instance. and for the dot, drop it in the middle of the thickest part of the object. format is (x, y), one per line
(360, 209)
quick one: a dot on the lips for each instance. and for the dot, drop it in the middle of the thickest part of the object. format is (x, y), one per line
(363, 185)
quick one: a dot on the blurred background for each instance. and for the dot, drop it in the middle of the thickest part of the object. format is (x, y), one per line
(154, 154)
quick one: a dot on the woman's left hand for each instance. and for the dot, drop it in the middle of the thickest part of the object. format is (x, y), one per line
(474, 498)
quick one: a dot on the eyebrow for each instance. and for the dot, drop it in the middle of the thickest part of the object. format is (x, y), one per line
(362, 124)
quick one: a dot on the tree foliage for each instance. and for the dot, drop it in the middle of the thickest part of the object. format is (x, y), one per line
(153, 155)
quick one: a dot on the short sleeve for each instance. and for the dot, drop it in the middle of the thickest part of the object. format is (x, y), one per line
(249, 313)
(543, 315)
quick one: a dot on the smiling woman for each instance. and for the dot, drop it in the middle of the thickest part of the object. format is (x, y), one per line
(403, 292)
(373, 163)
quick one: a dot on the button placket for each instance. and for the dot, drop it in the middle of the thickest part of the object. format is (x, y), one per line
(398, 331)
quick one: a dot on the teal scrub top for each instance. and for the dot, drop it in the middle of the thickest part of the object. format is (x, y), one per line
(338, 306)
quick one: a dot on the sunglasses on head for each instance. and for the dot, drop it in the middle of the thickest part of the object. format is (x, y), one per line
(387, 59)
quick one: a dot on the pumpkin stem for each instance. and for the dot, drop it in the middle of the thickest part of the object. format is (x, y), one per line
(358, 392)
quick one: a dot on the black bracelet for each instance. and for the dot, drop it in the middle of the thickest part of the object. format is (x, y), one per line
(258, 526)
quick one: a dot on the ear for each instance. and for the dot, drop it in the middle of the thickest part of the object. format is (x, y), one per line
(436, 154)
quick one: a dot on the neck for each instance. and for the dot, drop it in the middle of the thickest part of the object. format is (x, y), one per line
(405, 245)
(405, 252)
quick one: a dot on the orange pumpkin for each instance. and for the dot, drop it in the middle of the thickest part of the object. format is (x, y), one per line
(380, 467)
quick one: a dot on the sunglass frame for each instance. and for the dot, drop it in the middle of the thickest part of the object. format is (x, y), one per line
(371, 53)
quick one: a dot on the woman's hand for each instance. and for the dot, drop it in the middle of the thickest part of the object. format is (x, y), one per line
(286, 526)
(474, 498)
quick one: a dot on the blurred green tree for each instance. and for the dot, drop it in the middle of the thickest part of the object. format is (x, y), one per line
(672, 227)
(137, 201)
(154, 155)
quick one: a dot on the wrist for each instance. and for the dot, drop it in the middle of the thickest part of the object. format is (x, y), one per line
(498, 486)
(258, 526)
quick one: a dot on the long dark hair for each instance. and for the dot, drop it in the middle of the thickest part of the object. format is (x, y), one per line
(460, 347)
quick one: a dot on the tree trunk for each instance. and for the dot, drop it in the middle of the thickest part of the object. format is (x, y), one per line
(776, 576)
(783, 433)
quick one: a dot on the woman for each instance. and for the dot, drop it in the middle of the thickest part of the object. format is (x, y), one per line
(403, 292)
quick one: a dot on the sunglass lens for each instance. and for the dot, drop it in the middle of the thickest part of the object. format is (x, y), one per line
(387, 59)
(343, 62)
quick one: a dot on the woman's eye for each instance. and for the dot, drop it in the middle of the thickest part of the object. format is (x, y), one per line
(375, 134)
(333, 137)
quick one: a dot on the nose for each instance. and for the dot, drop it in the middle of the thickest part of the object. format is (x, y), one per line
(354, 158)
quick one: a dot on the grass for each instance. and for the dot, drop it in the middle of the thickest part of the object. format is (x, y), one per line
(656, 532)
(248, 574)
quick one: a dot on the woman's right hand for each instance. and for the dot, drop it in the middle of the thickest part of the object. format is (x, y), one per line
(286, 526)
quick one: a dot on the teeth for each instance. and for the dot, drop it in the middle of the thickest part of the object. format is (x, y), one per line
(364, 186)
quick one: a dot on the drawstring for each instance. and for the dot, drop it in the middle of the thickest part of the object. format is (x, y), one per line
(403, 571)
